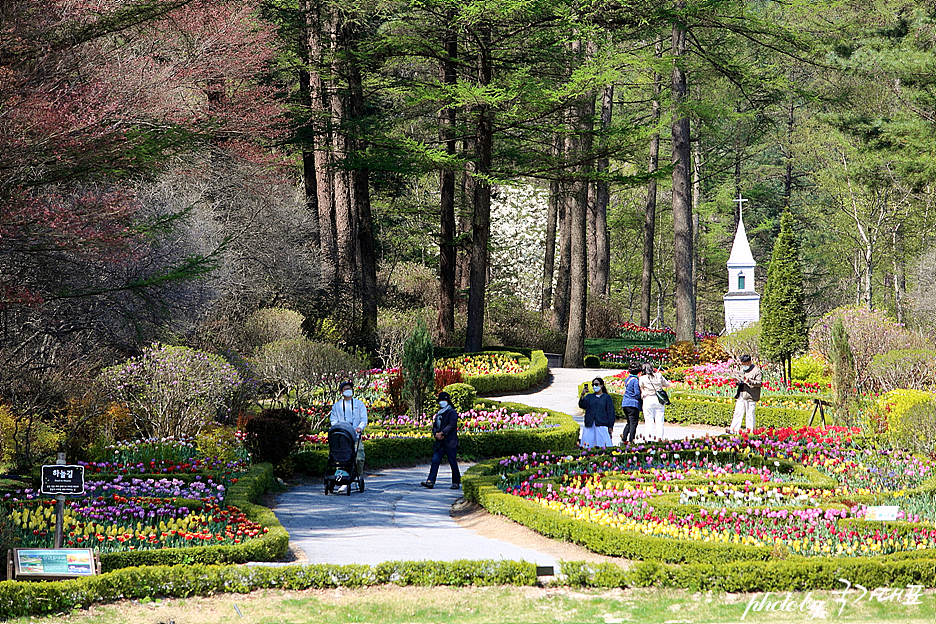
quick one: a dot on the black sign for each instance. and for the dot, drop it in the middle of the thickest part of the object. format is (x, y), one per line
(62, 480)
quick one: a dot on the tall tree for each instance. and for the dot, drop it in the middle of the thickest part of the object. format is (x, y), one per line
(783, 314)
(653, 164)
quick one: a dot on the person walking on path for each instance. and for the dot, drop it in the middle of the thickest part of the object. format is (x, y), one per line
(445, 432)
(750, 379)
(632, 403)
(350, 410)
(599, 415)
(650, 383)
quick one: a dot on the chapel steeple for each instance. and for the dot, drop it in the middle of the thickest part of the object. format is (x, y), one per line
(742, 303)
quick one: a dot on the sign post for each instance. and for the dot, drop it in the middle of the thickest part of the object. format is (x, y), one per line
(60, 480)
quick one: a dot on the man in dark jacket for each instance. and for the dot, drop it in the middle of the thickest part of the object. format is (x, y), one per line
(445, 432)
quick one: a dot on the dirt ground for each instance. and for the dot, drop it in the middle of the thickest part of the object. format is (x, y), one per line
(478, 519)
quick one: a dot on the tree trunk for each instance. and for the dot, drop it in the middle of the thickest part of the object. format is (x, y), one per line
(481, 200)
(549, 260)
(682, 201)
(365, 246)
(315, 17)
(447, 249)
(601, 274)
(560, 313)
(900, 276)
(649, 230)
(581, 146)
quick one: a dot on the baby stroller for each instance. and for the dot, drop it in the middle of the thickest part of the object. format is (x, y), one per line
(341, 469)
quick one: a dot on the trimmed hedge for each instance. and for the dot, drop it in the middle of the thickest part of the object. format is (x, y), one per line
(267, 547)
(700, 409)
(563, 436)
(25, 598)
(513, 382)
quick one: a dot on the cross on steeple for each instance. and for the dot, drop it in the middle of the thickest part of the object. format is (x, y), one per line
(740, 201)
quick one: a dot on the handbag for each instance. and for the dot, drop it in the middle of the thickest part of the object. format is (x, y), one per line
(661, 395)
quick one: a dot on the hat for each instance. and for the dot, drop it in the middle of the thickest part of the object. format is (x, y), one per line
(444, 396)
(345, 383)
(745, 358)
(634, 368)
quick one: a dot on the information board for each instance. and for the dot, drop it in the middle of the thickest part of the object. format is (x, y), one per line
(883, 512)
(62, 480)
(53, 562)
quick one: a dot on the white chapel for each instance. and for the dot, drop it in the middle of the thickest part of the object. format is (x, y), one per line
(742, 303)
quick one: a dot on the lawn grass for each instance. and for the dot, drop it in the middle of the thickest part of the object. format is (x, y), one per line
(495, 605)
(599, 346)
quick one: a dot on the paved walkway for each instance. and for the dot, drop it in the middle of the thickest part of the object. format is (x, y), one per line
(397, 519)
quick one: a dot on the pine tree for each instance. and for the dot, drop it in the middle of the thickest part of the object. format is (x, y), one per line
(783, 318)
(418, 366)
(843, 374)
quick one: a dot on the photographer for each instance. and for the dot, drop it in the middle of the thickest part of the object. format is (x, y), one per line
(750, 379)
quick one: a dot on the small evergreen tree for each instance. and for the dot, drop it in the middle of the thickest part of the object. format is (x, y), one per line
(843, 374)
(783, 319)
(418, 366)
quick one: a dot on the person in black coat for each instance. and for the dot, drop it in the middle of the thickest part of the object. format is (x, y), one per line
(445, 432)
(599, 415)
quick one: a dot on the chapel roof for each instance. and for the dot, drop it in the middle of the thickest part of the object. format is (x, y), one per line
(740, 250)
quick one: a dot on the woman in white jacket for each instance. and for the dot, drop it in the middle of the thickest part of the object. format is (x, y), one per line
(651, 381)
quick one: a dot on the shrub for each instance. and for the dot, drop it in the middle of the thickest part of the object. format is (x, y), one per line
(418, 367)
(711, 351)
(395, 384)
(889, 411)
(682, 353)
(812, 368)
(393, 328)
(603, 318)
(592, 361)
(869, 333)
(171, 391)
(902, 368)
(508, 322)
(915, 429)
(294, 369)
(272, 325)
(745, 340)
(273, 435)
(219, 441)
(26, 439)
(446, 377)
(463, 396)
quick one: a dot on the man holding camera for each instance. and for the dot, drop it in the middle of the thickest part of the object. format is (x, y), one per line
(750, 379)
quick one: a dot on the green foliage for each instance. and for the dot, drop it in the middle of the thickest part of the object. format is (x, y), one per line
(902, 368)
(811, 368)
(418, 366)
(297, 369)
(893, 411)
(463, 396)
(783, 312)
(272, 325)
(172, 391)
(592, 361)
(219, 441)
(915, 429)
(273, 435)
(513, 382)
(24, 598)
(869, 333)
(843, 374)
(682, 353)
(25, 439)
(744, 340)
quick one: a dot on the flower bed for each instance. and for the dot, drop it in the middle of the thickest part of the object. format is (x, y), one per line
(773, 494)
(483, 364)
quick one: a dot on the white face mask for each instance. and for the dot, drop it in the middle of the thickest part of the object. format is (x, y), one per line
(348, 393)
(596, 388)
(443, 403)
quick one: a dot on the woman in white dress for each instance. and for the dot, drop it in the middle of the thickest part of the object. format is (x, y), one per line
(651, 381)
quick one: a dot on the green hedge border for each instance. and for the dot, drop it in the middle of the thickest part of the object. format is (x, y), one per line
(479, 484)
(688, 408)
(26, 598)
(270, 546)
(562, 437)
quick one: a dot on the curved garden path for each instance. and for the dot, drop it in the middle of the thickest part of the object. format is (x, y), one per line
(397, 519)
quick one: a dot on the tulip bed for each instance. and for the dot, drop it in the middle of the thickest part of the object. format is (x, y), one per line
(483, 364)
(775, 494)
